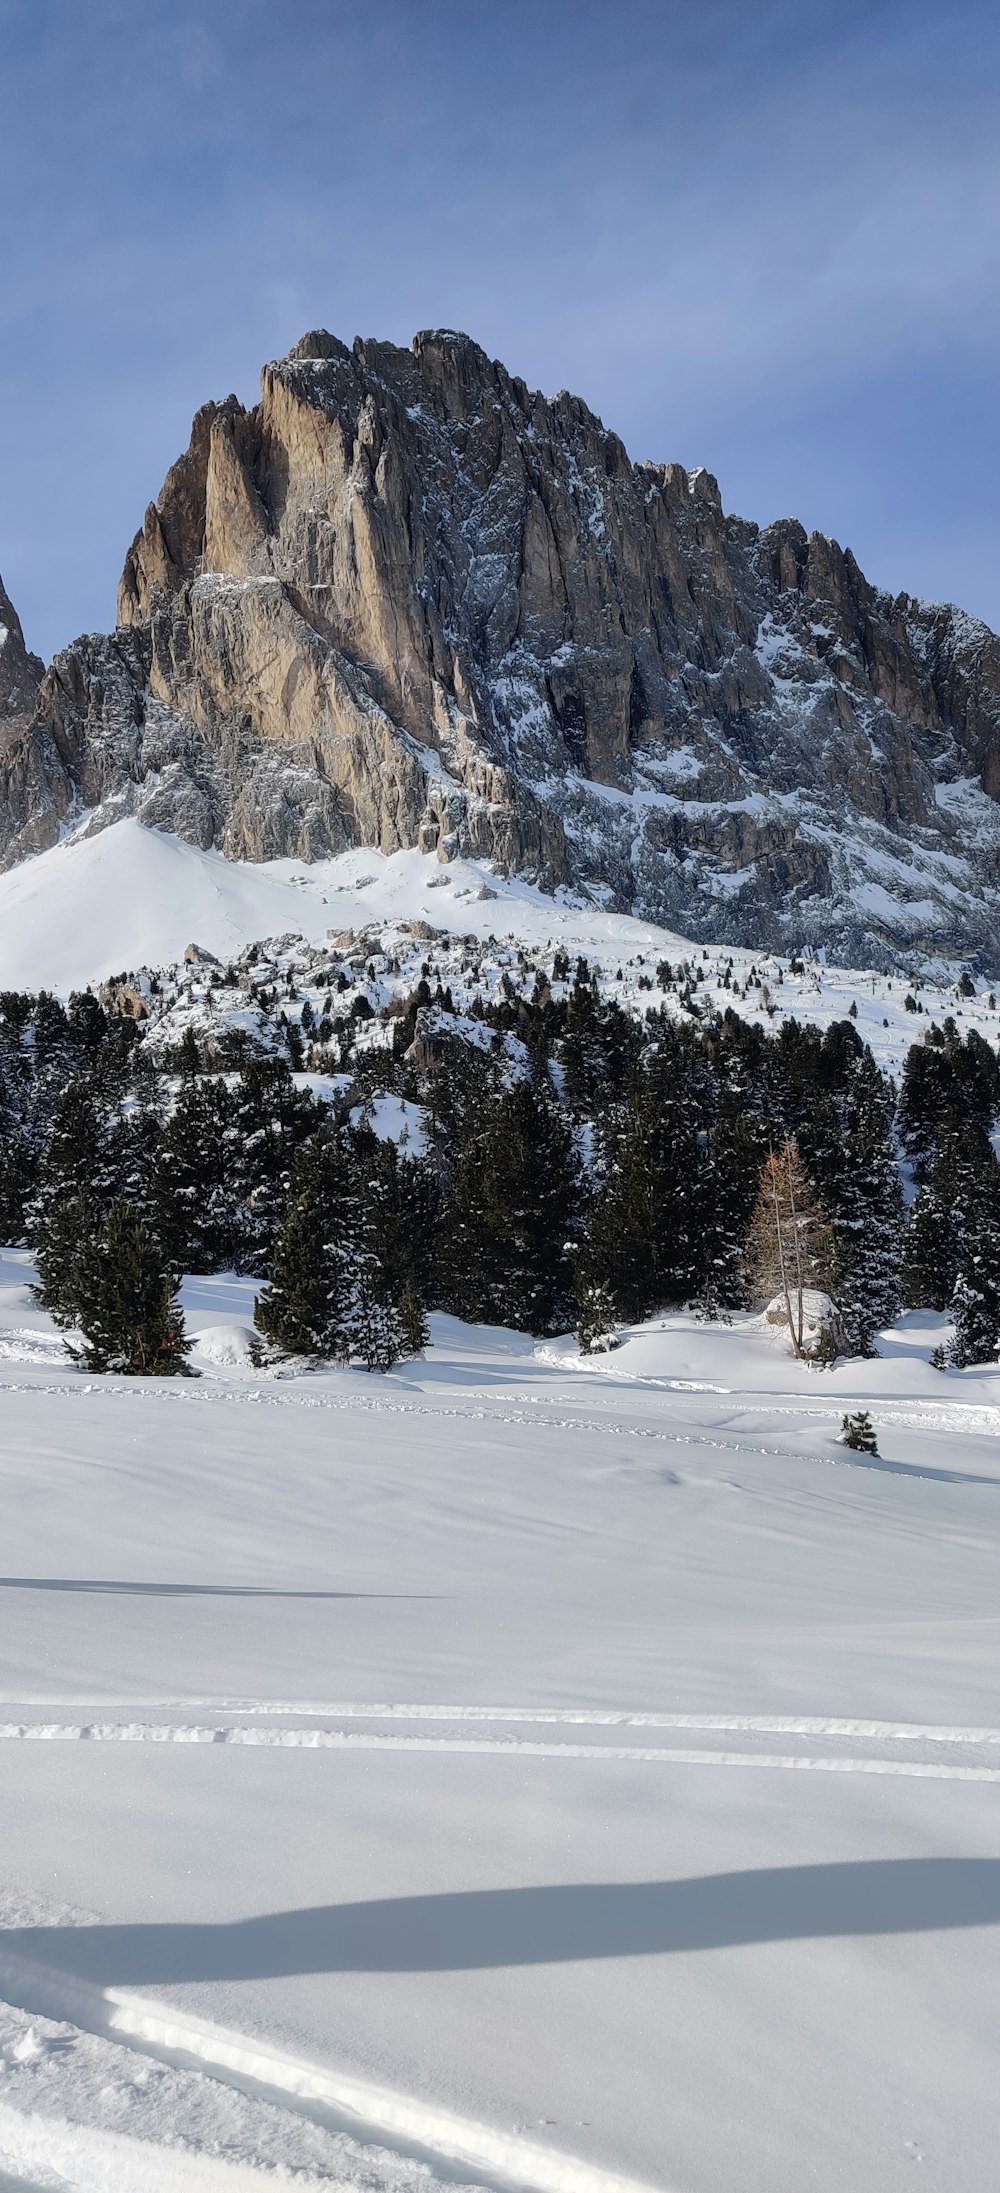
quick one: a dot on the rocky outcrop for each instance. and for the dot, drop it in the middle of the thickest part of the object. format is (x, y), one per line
(20, 674)
(406, 601)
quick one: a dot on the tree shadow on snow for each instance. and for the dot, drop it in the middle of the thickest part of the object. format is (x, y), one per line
(479, 1929)
(858, 1461)
(189, 1591)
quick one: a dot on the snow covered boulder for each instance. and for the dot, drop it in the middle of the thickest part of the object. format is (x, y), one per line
(821, 1331)
(228, 1346)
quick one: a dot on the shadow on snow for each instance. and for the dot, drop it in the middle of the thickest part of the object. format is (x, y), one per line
(484, 1928)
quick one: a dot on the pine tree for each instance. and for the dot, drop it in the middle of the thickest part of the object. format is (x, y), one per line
(89, 1027)
(595, 1319)
(847, 1147)
(651, 1234)
(55, 1056)
(975, 1301)
(76, 1184)
(198, 1214)
(401, 1200)
(126, 1301)
(600, 1047)
(378, 1337)
(513, 1211)
(929, 1259)
(620, 1253)
(310, 1305)
(736, 1150)
(18, 1157)
(858, 1432)
(975, 1307)
(947, 1215)
(269, 1121)
(63, 1241)
(77, 1154)
(189, 1055)
(947, 1084)
(414, 1329)
(791, 1244)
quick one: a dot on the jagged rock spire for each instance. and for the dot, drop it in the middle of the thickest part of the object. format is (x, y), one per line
(20, 673)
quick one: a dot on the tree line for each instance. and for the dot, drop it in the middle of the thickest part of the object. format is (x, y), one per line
(581, 1166)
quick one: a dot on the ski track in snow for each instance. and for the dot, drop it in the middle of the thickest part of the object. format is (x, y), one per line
(954, 1417)
(587, 1717)
(71, 2156)
(298, 1739)
(380, 1407)
(55, 2156)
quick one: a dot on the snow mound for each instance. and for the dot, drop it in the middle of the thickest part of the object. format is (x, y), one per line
(131, 897)
(229, 1345)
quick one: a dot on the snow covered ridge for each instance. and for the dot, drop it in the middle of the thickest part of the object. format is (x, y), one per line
(128, 901)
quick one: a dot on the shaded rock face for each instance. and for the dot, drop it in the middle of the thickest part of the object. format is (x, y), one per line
(405, 601)
(20, 674)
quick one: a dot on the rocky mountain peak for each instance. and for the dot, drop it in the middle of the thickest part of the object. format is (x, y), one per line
(406, 600)
(20, 673)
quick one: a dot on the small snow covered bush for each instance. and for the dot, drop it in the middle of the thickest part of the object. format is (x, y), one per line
(859, 1432)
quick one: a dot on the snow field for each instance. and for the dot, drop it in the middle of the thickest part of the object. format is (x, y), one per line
(400, 1824)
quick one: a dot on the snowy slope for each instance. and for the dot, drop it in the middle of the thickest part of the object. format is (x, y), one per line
(520, 1770)
(129, 897)
(568, 1772)
(93, 906)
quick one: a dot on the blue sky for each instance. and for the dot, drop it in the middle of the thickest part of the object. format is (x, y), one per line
(753, 234)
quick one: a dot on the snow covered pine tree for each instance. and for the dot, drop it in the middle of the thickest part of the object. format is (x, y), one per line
(127, 1309)
(309, 1305)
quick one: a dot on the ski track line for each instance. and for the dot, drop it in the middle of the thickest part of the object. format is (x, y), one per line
(170, 1393)
(739, 1724)
(50, 2153)
(763, 1724)
(394, 2119)
(945, 1415)
(297, 1739)
(361, 1402)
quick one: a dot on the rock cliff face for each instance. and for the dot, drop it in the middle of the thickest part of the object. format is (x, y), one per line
(20, 674)
(405, 601)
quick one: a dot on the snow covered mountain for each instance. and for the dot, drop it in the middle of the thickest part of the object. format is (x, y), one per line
(373, 921)
(406, 603)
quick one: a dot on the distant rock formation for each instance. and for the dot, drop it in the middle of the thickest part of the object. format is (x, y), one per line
(405, 601)
(20, 674)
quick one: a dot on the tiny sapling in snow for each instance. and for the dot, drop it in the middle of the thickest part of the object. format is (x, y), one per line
(858, 1432)
(595, 1324)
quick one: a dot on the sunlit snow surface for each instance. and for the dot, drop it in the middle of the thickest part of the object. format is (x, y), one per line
(514, 1770)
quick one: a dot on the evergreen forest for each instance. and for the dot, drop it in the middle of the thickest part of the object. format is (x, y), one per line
(578, 1166)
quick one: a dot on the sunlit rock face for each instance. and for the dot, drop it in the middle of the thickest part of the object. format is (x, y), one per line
(406, 601)
(20, 674)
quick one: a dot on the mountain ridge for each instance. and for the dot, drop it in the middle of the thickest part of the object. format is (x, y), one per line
(405, 601)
